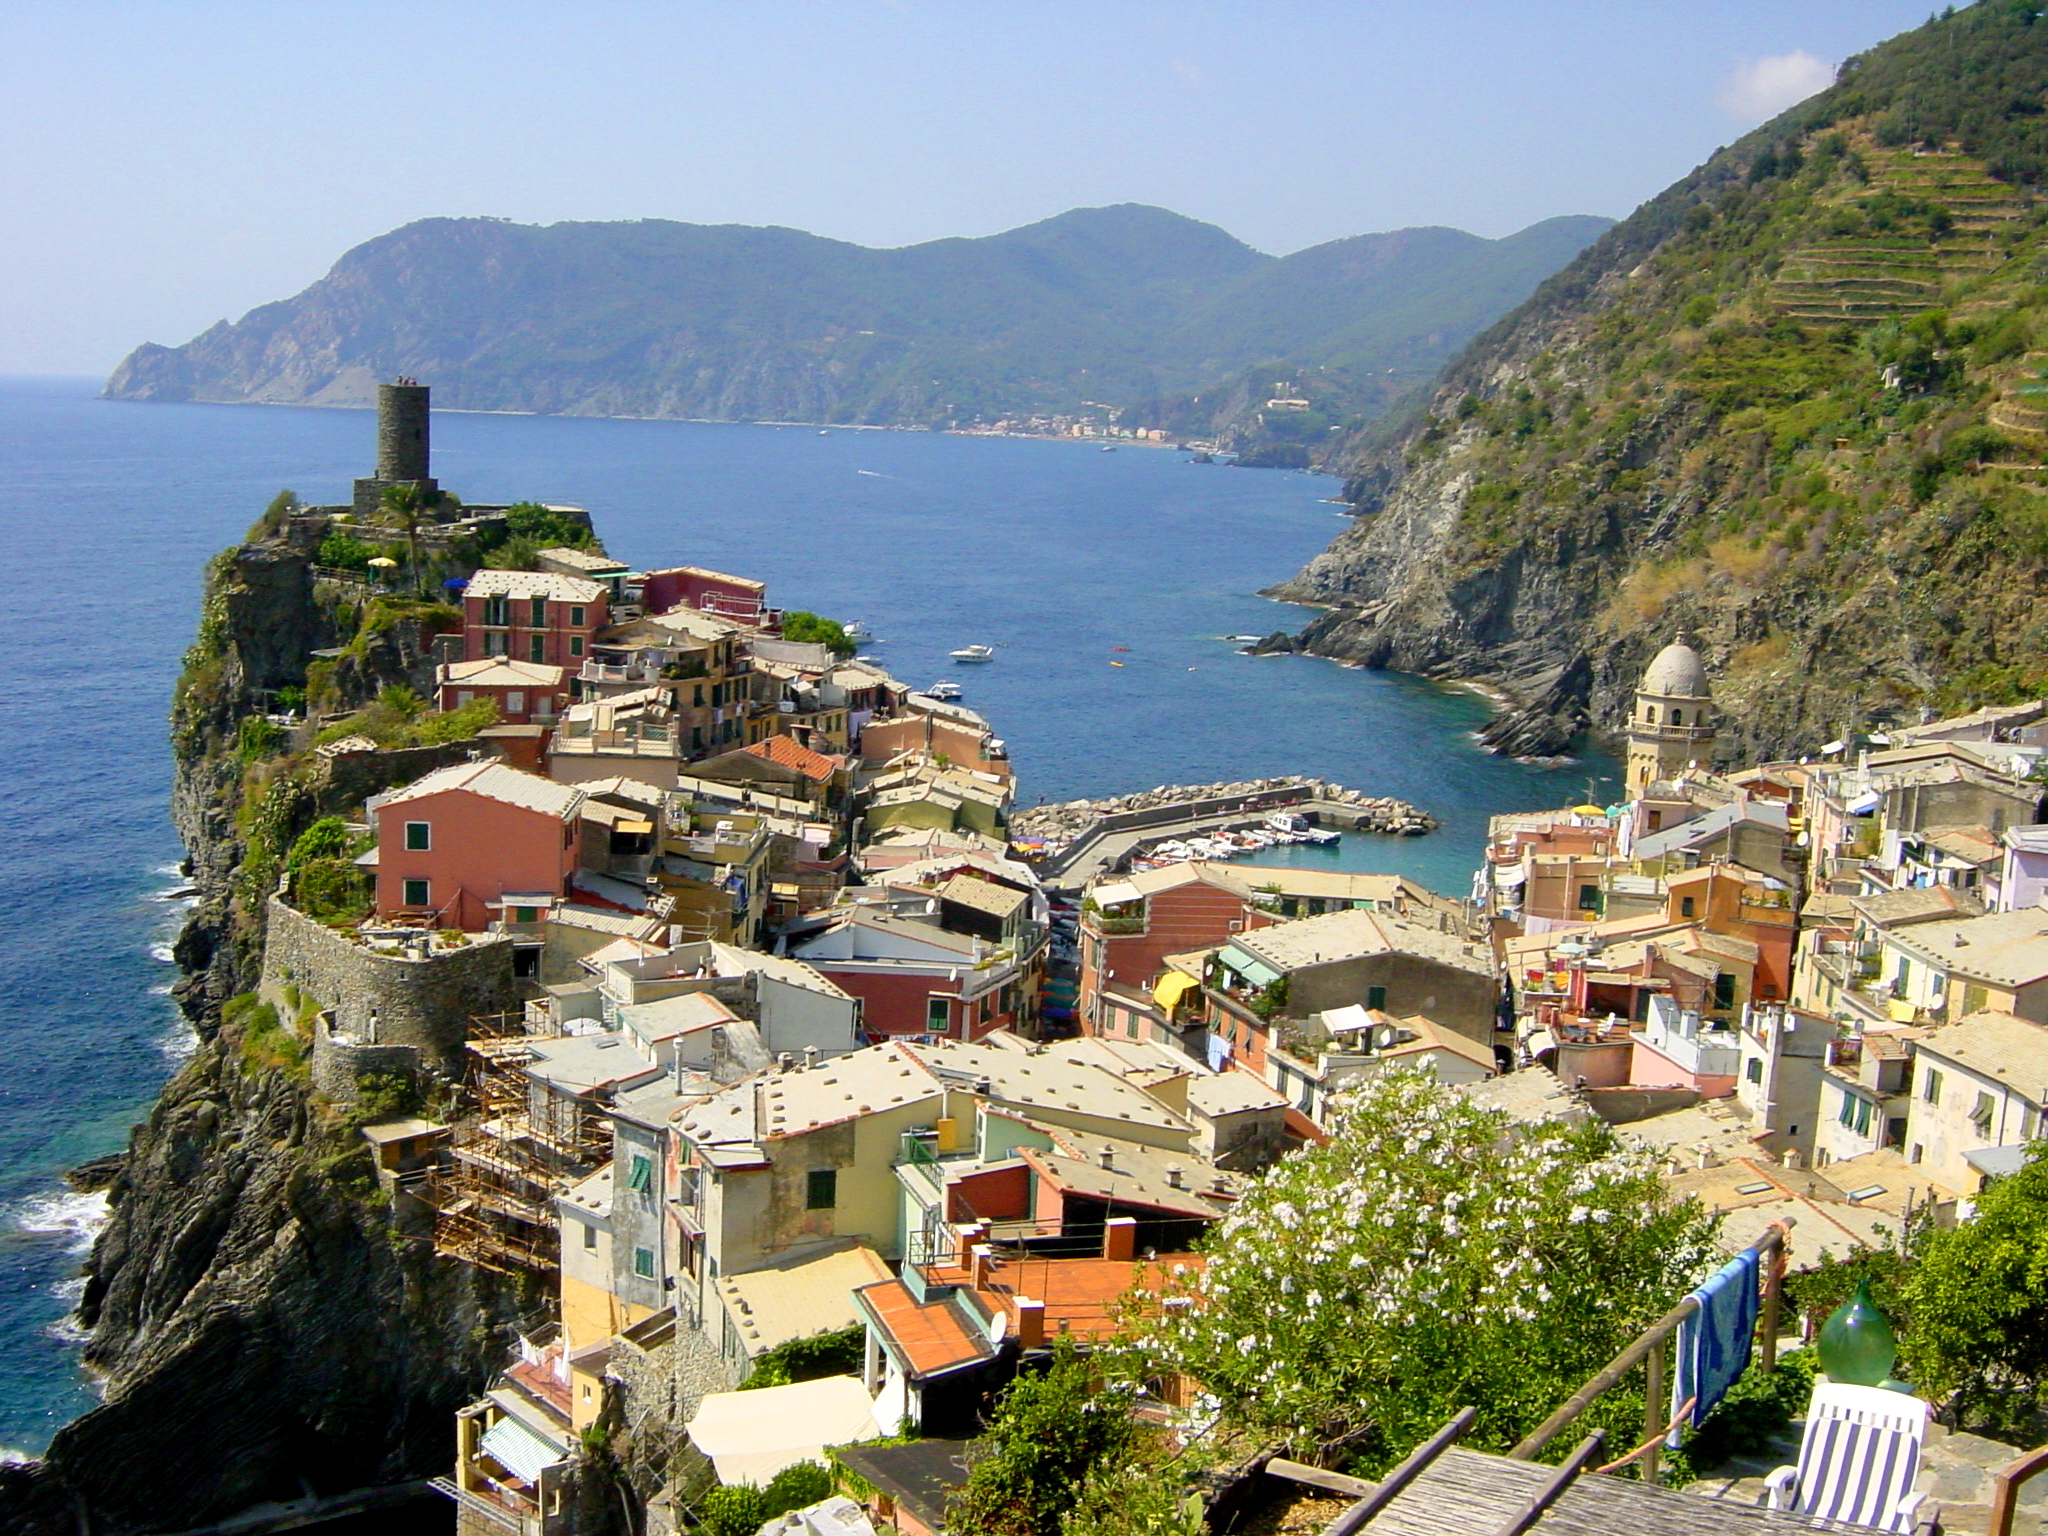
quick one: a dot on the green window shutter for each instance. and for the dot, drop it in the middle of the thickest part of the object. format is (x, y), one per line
(641, 1179)
(821, 1189)
(1375, 997)
(643, 1263)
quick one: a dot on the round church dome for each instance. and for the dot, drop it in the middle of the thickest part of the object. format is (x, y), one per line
(1677, 673)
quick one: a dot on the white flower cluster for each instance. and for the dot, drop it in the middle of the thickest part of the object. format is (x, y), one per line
(1426, 1244)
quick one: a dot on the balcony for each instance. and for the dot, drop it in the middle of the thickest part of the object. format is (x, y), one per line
(606, 672)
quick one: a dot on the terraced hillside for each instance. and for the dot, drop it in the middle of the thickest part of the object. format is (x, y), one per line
(1798, 404)
(1868, 273)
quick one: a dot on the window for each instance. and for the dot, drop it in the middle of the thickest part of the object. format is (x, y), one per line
(1980, 1115)
(515, 702)
(821, 1189)
(1863, 1117)
(575, 645)
(1678, 717)
(576, 617)
(537, 648)
(1687, 906)
(1724, 990)
(526, 914)
(1930, 1091)
(1650, 713)
(494, 611)
(417, 893)
(540, 612)
(494, 645)
(1753, 1069)
(643, 1263)
(419, 836)
(1375, 997)
(641, 1179)
(589, 1237)
(1848, 1108)
(938, 1015)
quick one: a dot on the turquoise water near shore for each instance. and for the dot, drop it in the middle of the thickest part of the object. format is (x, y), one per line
(1064, 558)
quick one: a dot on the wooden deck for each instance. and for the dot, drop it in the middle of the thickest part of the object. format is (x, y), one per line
(1466, 1493)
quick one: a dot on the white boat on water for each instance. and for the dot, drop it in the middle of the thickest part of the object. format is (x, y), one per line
(856, 630)
(943, 691)
(973, 653)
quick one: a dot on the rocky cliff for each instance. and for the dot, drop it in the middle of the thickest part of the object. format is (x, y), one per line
(1792, 405)
(260, 1327)
(1098, 309)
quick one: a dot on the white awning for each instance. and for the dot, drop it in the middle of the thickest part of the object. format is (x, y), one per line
(1116, 893)
(1350, 1016)
(1865, 803)
(1506, 876)
(519, 1450)
(751, 1436)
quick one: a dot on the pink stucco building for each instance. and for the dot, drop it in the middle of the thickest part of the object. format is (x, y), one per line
(475, 844)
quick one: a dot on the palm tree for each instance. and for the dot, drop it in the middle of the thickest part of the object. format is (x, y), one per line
(403, 507)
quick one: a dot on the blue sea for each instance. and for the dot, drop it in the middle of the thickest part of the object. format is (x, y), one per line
(1062, 557)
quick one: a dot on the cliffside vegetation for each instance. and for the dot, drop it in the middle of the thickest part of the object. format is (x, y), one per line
(1098, 311)
(1794, 405)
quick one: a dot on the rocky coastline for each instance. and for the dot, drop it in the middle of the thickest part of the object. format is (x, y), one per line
(260, 1330)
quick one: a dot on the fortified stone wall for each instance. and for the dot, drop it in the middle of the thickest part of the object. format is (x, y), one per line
(338, 1064)
(422, 1003)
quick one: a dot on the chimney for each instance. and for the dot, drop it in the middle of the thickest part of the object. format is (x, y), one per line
(980, 1264)
(1107, 1156)
(1030, 1323)
(1120, 1238)
(784, 1060)
(1173, 1176)
(810, 1057)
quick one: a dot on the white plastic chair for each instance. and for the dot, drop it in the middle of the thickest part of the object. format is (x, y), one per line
(1857, 1459)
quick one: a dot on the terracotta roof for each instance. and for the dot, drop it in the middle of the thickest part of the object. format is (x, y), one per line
(931, 1338)
(791, 753)
(1081, 1295)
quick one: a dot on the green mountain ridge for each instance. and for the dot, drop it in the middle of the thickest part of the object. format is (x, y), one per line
(1792, 405)
(1116, 306)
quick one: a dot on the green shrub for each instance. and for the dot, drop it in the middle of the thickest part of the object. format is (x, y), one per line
(838, 1353)
(1051, 1430)
(740, 1510)
(810, 629)
(331, 891)
(327, 838)
(257, 738)
(796, 1487)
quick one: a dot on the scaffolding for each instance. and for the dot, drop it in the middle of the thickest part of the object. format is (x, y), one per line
(520, 1145)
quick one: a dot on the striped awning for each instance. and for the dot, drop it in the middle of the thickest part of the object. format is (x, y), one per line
(519, 1450)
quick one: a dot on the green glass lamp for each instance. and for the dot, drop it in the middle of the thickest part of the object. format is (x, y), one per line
(1856, 1343)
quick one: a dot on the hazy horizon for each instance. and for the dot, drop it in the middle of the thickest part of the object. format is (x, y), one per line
(175, 168)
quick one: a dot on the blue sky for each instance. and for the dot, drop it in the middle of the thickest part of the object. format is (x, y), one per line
(169, 165)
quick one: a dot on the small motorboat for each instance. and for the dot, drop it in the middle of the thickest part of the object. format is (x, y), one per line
(943, 691)
(973, 653)
(1109, 447)
(856, 630)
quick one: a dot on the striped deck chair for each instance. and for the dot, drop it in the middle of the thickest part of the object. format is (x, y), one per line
(1857, 1460)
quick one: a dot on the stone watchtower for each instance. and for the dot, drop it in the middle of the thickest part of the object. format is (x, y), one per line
(1672, 726)
(401, 447)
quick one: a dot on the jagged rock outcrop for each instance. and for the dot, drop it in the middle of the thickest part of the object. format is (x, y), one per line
(260, 1326)
(1792, 405)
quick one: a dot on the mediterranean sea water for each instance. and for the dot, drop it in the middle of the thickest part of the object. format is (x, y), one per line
(1107, 583)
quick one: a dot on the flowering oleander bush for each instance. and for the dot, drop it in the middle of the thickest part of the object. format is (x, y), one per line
(1430, 1257)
